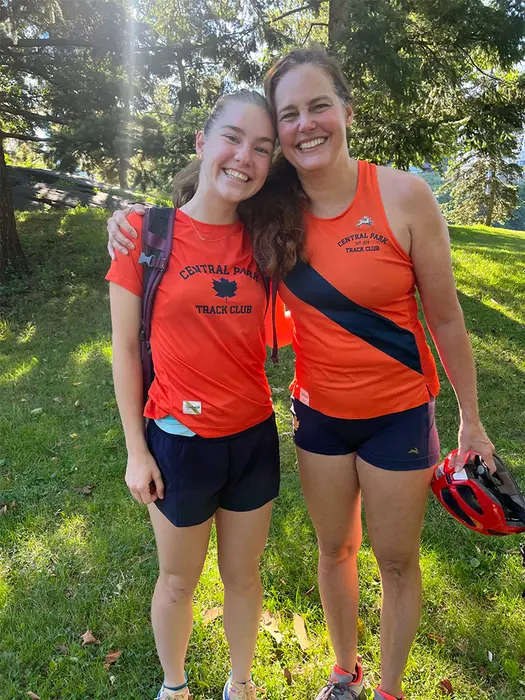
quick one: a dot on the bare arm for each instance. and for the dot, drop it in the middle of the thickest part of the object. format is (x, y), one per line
(430, 252)
(127, 376)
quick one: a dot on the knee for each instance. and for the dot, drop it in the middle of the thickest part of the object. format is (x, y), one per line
(175, 588)
(396, 568)
(336, 552)
(241, 582)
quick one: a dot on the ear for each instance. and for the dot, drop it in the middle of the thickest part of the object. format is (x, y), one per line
(199, 143)
(349, 115)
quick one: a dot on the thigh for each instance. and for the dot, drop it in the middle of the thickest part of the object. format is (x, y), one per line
(332, 492)
(181, 550)
(395, 504)
(241, 539)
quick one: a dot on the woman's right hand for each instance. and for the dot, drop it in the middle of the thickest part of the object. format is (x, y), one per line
(116, 239)
(143, 477)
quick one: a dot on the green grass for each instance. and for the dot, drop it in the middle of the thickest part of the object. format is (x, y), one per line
(69, 562)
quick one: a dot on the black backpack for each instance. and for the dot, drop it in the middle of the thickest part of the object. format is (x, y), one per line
(157, 239)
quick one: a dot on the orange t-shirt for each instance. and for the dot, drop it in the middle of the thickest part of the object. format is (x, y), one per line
(207, 329)
(360, 348)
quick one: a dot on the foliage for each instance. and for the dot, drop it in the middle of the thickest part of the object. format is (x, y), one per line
(77, 560)
(482, 180)
(410, 65)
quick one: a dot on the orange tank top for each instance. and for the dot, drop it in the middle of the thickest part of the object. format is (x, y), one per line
(360, 348)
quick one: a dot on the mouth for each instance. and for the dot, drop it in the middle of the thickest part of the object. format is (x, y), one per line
(236, 175)
(313, 143)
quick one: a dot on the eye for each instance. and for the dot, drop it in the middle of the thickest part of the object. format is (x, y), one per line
(321, 107)
(262, 149)
(231, 138)
(288, 116)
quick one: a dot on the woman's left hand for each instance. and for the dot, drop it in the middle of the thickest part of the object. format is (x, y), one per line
(473, 438)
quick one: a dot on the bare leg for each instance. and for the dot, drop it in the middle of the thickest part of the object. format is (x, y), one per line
(182, 551)
(395, 506)
(241, 538)
(332, 493)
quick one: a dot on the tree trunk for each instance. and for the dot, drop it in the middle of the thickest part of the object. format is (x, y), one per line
(338, 13)
(123, 167)
(12, 258)
(491, 201)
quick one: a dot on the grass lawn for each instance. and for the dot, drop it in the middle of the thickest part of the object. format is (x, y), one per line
(73, 561)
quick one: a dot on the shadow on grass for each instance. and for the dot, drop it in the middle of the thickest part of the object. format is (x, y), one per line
(71, 562)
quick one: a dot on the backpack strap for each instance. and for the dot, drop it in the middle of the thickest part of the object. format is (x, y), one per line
(157, 239)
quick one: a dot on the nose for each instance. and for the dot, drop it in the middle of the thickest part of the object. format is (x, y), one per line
(306, 123)
(243, 154)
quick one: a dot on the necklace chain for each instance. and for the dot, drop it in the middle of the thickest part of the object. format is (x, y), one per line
(213, 240)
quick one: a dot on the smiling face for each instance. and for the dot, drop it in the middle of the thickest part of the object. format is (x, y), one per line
(236, 152)
(311, 119)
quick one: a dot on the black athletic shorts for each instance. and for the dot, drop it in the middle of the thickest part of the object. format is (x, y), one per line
(397, 441)
(238, 472)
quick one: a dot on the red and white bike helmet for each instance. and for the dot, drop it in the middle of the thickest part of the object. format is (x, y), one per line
(488, 503)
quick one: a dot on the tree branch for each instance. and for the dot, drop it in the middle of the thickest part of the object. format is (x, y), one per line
(57, 43)
(312, 25)
(33, 115)
(290, 12)
(22, 137)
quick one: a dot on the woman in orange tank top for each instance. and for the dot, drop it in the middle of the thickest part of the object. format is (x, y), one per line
(365, 380)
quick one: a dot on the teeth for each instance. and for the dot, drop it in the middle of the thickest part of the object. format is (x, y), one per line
(237, 175)
(311, 144)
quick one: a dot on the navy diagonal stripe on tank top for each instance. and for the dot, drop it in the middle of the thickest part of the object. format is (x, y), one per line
(385, 335)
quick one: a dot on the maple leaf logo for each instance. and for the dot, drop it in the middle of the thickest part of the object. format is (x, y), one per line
(225, 289)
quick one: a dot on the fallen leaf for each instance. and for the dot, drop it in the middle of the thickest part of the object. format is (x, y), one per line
(36, 411)
(300, 631)
(77, 403)
(89, 638)
(77, 383)
(212, 614)
(360, 627)
(68, 594)
(61, 648)
(3, 510)
(288, 675)
(490, 655)
(111, 658)
(85, 490)
(33, 696)
(446, 687)
(474, 563)
(437, 638)
(58, 399)
(269, 623)
(310, 590)
(73, 436)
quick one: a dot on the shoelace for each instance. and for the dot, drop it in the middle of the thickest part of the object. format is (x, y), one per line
(247, 691)
(337, 690)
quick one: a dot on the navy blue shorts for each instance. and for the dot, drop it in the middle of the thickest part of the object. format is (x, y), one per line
(238, 472)
(397, 441)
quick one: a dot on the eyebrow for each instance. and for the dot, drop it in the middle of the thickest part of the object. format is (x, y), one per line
(241, 131)
(311, 102)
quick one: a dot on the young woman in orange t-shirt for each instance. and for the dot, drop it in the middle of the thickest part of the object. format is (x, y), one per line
(211, 449)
